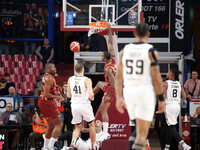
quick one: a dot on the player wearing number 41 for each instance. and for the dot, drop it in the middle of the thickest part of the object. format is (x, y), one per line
(138, 71)
(81, 93)
(173, 93)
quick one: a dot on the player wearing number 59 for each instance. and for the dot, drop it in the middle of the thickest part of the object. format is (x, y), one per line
(81, 94)
(173, 93)
(138, 71)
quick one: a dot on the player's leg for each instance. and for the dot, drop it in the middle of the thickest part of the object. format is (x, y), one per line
(133, 134)
(142, 129)
(75, 134)
(104, 114)
(92, 134)
(99, 86)
(48, 133)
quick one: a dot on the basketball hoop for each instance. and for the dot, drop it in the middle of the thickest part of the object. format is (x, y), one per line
(97, 27)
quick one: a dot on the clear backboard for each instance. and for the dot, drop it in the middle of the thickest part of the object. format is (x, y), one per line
(76, 15)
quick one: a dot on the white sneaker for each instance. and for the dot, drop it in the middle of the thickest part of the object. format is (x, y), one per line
(32, 149)
(47, 148)
(67, 148)
(186, 147)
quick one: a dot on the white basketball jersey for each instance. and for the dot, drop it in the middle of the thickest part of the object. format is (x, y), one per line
(136, 65)
(173, 92)
(78, 90)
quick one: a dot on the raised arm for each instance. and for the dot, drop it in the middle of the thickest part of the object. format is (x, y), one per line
(157, 79)
(110, 43)
(88, 84)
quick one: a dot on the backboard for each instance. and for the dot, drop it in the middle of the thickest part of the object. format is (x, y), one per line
(77, 14)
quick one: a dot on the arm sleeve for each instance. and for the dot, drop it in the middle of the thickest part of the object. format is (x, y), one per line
(52, 54)
(38, 51)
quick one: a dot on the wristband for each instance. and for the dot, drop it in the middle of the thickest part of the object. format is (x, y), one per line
(161, 97)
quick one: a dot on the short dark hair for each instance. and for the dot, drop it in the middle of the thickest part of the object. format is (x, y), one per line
(6, 75)
(3, 80)
(142, 29)
(194, 71)
(176, 73)
(64, 82)
(48, 65)
(107, 55)
(78, 68)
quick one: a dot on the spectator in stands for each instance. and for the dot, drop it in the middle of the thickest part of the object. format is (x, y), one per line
(30, 32)
(45, 52)
(46, 19)
(192, 86)
(18, 99)
(39, 125)
(8, 82)
(41, 25)
(3, 90)
(33, 11)
(5, 33)
(67, 109)
(10, 118)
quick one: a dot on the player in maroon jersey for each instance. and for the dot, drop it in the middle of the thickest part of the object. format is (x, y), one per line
(48, 107)
(108, 85)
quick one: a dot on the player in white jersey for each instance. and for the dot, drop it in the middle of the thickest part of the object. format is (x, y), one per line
(173, 93)
(81, 93)
(138, 75)
(100, 137)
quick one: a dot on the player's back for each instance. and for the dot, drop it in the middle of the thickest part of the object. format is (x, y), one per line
(78, 90)
(173, 92)
(136, 65)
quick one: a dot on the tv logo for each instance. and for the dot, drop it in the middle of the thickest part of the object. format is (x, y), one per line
(2, 138)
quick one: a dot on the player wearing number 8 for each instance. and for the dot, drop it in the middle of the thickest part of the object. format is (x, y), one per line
(81, 93)
(173, 93)
(138, 71)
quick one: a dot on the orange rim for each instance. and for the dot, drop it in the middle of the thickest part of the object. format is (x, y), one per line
(99, 24)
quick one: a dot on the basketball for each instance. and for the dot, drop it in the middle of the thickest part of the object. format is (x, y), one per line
(75, 46)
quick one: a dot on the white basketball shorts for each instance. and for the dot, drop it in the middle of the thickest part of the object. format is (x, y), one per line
(140, 102)
(82, 112)
(171, 113)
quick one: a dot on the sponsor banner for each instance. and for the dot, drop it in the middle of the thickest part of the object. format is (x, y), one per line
(118, 123)
(180, 26)
(194, 107)
(4, 101)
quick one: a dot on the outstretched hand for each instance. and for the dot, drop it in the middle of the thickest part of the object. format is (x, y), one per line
(120, 105)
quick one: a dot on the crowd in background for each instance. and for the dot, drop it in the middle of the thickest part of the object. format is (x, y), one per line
(31, 24)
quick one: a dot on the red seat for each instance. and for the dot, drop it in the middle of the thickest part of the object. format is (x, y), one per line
(30, 78)
(23, 91)
(1, 76)
(18, 57)
(9, 64)
(22, 64)
(5, 57)
(27, 86)
(31, 58)
(20, 71)
(4, 70)
(37, 64)
(16, 78)
(34, 71)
